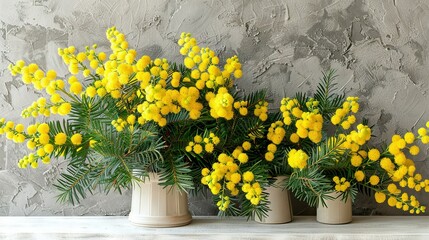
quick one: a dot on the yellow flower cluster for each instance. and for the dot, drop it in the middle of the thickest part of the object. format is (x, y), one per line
(253, 190)
(374, 180)
(204, 63)
(357, 158)
(297, 158)
(119, 124)
(355, 139)
(271, 150)
(401, 200)
(118, 43)
(159, 102)
(276, 132)
(208, 142)
(341, 184)
(37, 108)
(59, 105)
(206, 74)
(224, 165)
(221, 104)
(261, 110)
(402, 165)
(401, 171)
(404, 174)
(373, 154)
(226, 178)
(112, 74)
(239, 153)
(308, 124)
(12, 132)
(342, 115)
(359, 175)
(399, 145)
(31, 74)
(75, 64)
(241, 107)
(223, 203)
(290, 109)
(312, 105)
(39, 139)
(423, 134)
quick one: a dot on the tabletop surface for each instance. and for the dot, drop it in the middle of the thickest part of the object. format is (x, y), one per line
(302, 227)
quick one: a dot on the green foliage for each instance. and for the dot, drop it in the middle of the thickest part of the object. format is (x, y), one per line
(255, 211)
(249, 210)
(311, 184)
(110, 163)
(176, 172)
(342, 139)
(329, 101)
(75, 183)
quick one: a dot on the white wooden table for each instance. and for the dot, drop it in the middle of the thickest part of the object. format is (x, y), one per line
(303, 227)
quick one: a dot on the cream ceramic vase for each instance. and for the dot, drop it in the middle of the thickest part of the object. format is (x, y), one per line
(153, 205)
(336, 211)
(280, 204)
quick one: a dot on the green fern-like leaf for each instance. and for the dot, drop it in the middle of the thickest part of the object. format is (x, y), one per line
(76, 182)
(255, 97)
(311, 184)
(329, 101)
(176, 172)
(302, 99)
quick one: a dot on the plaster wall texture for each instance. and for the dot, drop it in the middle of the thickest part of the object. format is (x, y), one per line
(379, 49)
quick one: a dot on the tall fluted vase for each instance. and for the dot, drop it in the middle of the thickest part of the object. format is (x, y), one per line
(153, 205)
(336, 210)
(280, 203)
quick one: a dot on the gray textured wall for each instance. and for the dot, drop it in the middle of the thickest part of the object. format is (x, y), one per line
(379, 48)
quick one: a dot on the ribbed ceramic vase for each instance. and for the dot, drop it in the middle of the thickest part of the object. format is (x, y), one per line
(153, 205)
(336, 211)
(280, 204)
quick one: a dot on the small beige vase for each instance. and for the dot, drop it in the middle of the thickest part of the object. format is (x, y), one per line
(153, 205)
(336, 211)
(280, 204)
